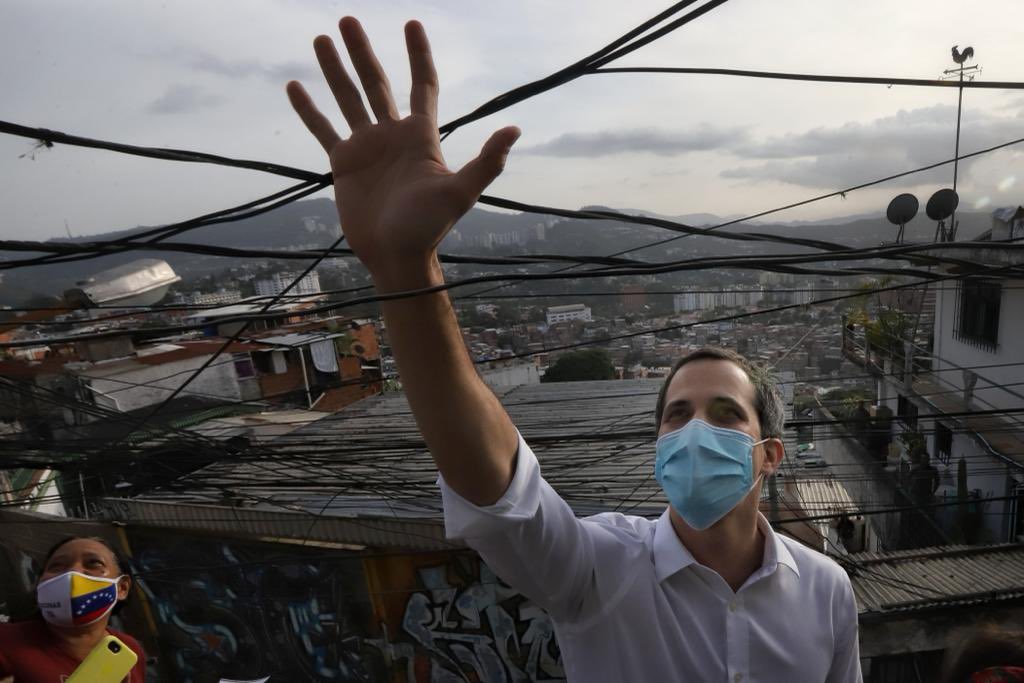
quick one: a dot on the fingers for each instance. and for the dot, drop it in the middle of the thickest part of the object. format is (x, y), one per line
(316, 122)
(345, 92)
(423, 99)
(476, 175)
(371, 73)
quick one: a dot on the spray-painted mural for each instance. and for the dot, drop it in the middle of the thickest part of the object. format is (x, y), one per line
(461, 623)
(246, 610)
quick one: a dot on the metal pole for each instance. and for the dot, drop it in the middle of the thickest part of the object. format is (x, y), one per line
(959, 107)
(305, 377)
(956, 155)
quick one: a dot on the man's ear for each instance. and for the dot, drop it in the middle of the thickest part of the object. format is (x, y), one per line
(123, 586)
(774, 450)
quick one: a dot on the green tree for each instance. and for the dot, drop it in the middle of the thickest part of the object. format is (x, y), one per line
(578, 366)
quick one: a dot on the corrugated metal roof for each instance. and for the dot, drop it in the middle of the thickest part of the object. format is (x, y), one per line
(281, 524)
(926, 578)
(255, 305)
(594, 440)
(821, 495)
(300, 338)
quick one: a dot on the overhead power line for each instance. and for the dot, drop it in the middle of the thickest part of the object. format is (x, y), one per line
(813, 78)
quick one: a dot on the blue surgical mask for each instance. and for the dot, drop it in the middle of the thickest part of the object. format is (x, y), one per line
(705, 471)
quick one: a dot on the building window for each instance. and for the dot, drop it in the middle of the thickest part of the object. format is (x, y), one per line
(1017, 528)
(943, 443)
(906, 410)
(243, 366)
(977, 313)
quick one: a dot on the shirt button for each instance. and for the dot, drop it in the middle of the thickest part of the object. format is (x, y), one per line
(732, 608)
(738, 678)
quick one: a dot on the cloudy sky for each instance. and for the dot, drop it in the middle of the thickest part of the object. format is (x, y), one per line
(210, 76)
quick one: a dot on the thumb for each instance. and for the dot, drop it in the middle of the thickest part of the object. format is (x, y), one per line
(477, 174)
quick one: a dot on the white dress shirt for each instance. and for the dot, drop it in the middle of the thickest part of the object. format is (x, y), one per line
(630, 603)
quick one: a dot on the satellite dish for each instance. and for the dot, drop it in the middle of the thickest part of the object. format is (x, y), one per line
(902, 209)
(942, 204)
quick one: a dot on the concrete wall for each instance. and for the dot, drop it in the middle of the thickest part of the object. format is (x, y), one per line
(951, 353)
(871, 489)
(511, 376)
(985, 472)
(139, 385)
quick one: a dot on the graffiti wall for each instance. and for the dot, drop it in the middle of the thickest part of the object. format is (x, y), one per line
(246, 610)
(448, 618)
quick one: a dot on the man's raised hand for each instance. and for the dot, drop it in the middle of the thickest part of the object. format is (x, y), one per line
(396, 196)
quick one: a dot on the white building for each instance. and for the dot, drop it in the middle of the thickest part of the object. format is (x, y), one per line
(698, 301)
(976, 364)
(561, 314)
(274, 285)
(152, 374)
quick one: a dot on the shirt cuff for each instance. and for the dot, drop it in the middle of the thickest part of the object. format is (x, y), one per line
(519, 503)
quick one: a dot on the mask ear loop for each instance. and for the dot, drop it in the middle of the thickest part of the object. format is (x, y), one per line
(755, 445)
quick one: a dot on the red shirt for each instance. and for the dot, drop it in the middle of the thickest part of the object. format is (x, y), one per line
(30, 653)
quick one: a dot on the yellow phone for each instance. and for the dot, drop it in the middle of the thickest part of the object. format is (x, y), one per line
(109, 662)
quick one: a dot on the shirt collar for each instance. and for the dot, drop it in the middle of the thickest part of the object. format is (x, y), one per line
(671, 556)
(775, 550)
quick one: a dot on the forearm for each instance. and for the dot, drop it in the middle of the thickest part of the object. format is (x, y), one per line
(469, 434)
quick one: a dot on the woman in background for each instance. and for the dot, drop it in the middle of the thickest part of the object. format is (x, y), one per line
(987, 656)
(83, 581)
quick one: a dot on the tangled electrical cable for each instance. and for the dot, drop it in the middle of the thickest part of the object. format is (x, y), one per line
(607, 266)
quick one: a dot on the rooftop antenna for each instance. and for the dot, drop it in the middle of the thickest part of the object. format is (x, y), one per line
(941, 206)
(901, 211)
(959, 58)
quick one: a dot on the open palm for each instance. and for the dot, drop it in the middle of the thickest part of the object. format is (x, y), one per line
(396, 196)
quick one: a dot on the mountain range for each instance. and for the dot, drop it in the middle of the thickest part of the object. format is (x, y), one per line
(313, 224)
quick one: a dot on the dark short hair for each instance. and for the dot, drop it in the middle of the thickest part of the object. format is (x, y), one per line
(122, 563)
(767, 399)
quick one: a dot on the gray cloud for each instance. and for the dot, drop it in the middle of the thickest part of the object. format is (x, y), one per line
(855, 152)
(239, 68)
(652, 141)
(180, 98)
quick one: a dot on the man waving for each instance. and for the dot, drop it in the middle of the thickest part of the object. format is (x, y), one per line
(708, 592)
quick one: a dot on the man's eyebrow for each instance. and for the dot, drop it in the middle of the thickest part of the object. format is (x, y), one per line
(730, 400)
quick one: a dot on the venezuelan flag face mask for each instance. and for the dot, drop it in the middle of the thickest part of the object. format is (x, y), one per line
(76, 599)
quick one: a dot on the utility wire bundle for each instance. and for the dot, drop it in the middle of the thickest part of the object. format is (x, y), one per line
(298, 453)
